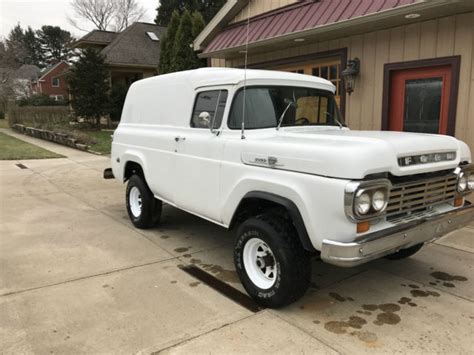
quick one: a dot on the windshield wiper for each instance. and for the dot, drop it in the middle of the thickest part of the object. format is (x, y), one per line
(280, 120)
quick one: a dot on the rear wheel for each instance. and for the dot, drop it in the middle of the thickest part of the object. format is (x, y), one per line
(272, 265)
(405, 253)
(142, 207)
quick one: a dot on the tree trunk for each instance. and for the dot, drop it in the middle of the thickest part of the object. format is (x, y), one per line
(98, 122)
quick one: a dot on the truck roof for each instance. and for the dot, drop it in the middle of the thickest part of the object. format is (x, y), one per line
(224, 76)
(168, 99)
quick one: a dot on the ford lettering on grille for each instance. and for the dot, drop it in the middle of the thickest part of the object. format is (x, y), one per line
(426, 158)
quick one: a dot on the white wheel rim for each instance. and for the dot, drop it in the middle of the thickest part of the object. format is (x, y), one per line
(259, 263)
(135, 200)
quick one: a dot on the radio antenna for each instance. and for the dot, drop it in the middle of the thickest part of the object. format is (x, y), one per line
(242, 136)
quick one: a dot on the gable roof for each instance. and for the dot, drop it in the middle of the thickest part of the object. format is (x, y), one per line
(96, 37)
(309, 18)
(27, 72)
(134, 47)
(50, 68)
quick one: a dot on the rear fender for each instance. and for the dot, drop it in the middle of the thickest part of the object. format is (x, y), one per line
(132, 156)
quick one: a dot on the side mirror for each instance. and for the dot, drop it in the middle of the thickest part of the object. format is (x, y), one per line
(204, 117)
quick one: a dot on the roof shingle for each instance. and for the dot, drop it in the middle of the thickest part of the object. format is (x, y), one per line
(96, 36)
(134, 47)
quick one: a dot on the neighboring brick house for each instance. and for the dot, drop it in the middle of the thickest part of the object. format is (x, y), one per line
(52, 82)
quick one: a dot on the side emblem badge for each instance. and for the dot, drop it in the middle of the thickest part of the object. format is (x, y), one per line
(272, 161)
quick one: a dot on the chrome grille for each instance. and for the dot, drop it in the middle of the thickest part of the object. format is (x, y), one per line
(420, 195)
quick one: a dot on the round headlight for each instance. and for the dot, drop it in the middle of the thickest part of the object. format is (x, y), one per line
(379, 200)
(362, 203)
(462, 183)
(470, 182)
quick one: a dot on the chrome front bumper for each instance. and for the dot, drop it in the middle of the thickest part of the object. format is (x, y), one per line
(388, 241)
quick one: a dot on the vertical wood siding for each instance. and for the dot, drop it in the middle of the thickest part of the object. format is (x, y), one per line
(448, 36)
(257, 7)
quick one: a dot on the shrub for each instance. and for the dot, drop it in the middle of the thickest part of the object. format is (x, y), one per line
(117, 99)
(40, 100)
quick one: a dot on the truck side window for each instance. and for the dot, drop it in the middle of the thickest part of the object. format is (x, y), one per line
(212, 102)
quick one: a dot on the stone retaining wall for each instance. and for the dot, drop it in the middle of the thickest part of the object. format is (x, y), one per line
(60, 138)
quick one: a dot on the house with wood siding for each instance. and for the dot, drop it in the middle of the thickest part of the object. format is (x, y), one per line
(415, 58)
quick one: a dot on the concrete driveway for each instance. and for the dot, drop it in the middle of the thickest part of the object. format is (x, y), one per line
(76, 277)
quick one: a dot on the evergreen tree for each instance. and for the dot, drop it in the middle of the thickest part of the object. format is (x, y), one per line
(209, 8)
(198, 23)
(183, 57)
(15, 45)
(167, 7)
(118, 94)
(33, 50)
(50, 44)
(167, 44)
(89, 86)
(55, 43)
(177, 52)
(198, 26)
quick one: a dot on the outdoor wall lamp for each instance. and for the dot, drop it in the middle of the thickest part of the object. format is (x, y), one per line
(349, 74)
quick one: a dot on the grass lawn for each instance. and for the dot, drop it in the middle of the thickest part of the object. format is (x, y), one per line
(3, 123)
(14, 149)
(103, 139)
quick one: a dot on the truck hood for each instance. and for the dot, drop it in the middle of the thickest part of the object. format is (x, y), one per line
(343, 153)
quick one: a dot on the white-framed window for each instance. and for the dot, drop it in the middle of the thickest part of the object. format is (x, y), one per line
(55, 82)
(57, 97)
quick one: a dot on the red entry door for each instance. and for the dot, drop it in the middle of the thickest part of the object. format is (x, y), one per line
(419, 100)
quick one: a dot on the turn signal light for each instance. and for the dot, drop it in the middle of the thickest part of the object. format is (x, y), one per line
(458, 201)
(363, 227)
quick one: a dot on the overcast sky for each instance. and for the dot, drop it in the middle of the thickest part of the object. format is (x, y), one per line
(36, 13)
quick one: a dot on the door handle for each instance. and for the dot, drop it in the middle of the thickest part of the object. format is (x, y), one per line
(179, 138)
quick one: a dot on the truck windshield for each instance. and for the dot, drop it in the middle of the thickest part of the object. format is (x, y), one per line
(300, 106)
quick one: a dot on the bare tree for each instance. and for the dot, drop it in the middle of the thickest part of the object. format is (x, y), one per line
(106, 15)
(128, 11)
(99, 12)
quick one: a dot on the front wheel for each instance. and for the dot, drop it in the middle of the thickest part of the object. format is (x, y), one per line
(272, 265)
(142, 207)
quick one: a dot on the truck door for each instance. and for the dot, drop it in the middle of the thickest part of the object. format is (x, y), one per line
(199, 154)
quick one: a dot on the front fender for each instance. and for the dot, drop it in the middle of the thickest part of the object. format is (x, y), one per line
(284, 194)
(292, 210)
(319, 200)
(246, 185)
